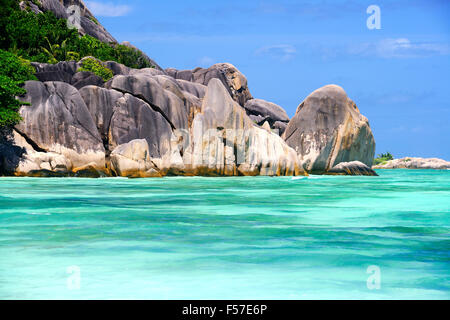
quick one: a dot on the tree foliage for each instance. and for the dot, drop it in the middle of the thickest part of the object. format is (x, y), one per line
(383, 158)
(13, 72)
(26, 36)
(45, 38)
(92, 65)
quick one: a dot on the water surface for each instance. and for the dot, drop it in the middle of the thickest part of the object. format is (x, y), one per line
(226, 238)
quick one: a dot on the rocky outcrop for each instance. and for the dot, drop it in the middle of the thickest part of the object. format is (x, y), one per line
(57, 120)
(67, 71)
(62, 71)
(87, 23)
(79, 16)
(133, 159)
(328, 129)
(261, 111)
(414, 163)
(354, 168)
(232, 79)
(121, 118)
(148, 89)
(154, 122)
(226, 142)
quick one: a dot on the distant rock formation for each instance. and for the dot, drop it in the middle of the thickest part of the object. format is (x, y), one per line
(328, 129)
(415, 163)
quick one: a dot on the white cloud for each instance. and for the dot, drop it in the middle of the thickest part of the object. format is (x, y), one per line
(282, 52)
(107, 9)
(401, 48)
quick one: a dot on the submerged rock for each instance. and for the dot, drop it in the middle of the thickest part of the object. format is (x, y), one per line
(354, 168)
(328, 129)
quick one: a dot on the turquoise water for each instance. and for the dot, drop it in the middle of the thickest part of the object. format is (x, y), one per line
(226, 238)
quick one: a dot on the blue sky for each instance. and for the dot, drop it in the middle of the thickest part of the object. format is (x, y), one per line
(399, 76)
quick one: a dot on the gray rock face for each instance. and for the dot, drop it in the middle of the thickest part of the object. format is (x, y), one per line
(58, 121)
(62, 71)
(226, 142)
(101, 104)
(262, 111)
(415, 163)
(135, 119)
(232, 79)
(328, 129)
(193, 88)
(66, 71)
(121, 118)
(354, 168)
(279, 127)
(266, 109)
(132, 159)
(88, 26)
(117, 68)
(222, 112)
(161, 100)
(85, 78)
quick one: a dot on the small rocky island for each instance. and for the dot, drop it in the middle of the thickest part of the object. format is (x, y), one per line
(154, 122)
(414, 163)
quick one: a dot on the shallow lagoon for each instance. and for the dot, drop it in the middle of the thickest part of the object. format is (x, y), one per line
(226, 238)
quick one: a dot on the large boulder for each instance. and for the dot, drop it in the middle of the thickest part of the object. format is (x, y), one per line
(57, 120)
(196, 89)
(266, 109)
(86, 78)
(262, 111)
(226, 142)
(354, 168)
(148, 89)
(62, 71)
(121, 118)
(233, 80)
(132, 159)
(328, 129)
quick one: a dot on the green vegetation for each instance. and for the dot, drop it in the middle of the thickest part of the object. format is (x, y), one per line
(383, 158)
(45, 38)
(94, 20)
(13, 72)
(96, 67)
(26, 37)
